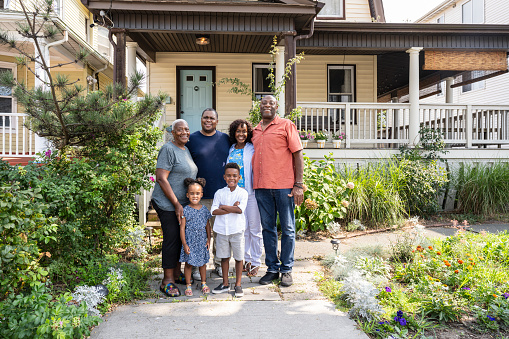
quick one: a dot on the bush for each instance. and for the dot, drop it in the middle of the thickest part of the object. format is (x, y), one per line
(23, 229)
(38, 314)
(482, 188)
(326, 198)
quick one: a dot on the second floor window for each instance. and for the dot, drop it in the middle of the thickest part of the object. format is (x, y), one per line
(333, 9)
(475, 85)
(472, 12)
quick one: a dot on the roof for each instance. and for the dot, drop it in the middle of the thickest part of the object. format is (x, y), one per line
(436, 10)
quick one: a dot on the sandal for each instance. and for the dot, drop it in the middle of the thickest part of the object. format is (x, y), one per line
(168, 288)
(189, 291)
(204, 288)
(246, 267)
(253, 271)
(182, 279)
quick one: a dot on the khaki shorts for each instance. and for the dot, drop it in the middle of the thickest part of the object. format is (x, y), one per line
(226, 244)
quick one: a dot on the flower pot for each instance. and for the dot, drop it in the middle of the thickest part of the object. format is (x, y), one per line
(336, 143)
(321, 143)
(304, 143)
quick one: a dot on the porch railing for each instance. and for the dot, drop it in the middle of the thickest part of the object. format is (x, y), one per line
(15, 139)
(387, 124)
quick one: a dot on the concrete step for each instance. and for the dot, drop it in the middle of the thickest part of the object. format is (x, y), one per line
(152, 215)
(153, 224)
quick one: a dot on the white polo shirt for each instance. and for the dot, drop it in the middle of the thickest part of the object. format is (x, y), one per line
(230, 223)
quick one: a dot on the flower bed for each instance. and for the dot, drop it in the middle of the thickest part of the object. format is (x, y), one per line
(421, 285)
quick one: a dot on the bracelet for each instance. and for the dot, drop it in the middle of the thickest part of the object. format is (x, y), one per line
(298, 186)
(298, 182)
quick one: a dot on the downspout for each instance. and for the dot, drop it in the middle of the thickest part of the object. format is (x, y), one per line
(309, 35)
(54, 43)
(98, 71)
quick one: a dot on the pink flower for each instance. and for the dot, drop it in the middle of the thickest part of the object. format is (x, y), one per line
(345, 203)
(350, 185)
(152, 179)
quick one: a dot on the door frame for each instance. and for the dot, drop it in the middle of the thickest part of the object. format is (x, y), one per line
(207, 68)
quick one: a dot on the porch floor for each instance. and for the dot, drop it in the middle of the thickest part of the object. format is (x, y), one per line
(22, 161)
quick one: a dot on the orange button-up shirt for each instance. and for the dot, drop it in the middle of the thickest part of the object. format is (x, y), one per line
(273, 166)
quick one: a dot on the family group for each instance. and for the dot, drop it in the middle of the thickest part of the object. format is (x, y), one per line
(231, 188)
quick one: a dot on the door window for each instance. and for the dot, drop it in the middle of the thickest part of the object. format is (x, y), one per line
(261, 81)
(341, 88)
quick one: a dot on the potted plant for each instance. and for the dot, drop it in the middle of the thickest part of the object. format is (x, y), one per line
(305, 136)
(337, 138)
(321, 137)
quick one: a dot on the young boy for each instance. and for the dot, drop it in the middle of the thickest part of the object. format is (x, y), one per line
(228, 206)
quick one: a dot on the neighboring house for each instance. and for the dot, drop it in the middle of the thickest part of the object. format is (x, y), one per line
(490, 90)
(17, 144)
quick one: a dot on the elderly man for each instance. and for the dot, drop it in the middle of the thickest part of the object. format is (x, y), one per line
(209, 149)
(277, 172)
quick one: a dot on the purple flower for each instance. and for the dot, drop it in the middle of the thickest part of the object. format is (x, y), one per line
(491, 318)
(47, 153)
(506, 295)
(152, 179)
(396, 318)
(399, 314)
(402, 321)
(388, 289)
(466, 288)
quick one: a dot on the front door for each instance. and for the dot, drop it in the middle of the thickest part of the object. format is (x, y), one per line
(196, 94)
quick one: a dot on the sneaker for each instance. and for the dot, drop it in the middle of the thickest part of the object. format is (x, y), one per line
(286, 279)
(196, 274)
(268, 278)
(238, 292)
(219, 271)
(221, 289)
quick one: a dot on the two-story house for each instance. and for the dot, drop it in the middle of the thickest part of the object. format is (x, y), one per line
(17, 143)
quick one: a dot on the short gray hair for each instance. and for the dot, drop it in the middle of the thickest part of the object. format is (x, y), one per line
(176, 122)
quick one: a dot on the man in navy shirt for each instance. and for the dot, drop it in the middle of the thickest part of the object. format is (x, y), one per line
(209, 149)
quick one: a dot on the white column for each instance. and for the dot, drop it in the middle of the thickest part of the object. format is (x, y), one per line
(413, 87)
(41, 78)
(449, 96)
(280, 73)
(131, 62)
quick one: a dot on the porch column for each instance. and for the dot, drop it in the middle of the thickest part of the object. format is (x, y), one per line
(291, 82)
(413, 87)
(280, 73)
(131, 62)
(449, 96)
(119, 55)
(41, 78)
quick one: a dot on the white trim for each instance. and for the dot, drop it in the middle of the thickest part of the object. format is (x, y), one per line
(14, 108)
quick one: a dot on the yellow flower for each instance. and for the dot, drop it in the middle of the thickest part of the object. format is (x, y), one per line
(469, 267)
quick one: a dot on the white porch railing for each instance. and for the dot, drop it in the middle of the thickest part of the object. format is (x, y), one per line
(15, 139)
(387, 124)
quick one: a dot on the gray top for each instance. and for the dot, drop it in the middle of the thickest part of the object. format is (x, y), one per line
(180, 164)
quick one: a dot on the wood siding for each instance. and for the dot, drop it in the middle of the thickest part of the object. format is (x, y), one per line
(311, 79)
(495, 89)
(357, 10)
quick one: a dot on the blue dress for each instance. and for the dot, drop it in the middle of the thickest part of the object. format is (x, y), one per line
(196, 236)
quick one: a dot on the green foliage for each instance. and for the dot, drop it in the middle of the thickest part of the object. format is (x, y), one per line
(326, 197)
(482, 188)
(39, 314)
(23, 229)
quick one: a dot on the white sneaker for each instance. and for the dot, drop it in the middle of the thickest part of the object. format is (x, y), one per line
(219, 271)
(196, 274)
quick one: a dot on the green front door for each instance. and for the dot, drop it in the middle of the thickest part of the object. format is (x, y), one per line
(196, 95)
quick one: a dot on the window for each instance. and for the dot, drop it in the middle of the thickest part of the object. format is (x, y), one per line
(440, 88)
(475, 85)
(473, 12)
(7, 103)
(341, 88)
(333, 9)
(261, 81)
(87, 31)
(58, 7)
(441, 20)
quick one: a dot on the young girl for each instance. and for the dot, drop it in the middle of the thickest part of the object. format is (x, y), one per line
(195, 234)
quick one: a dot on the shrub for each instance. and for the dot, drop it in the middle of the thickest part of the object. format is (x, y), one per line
(326, 198)
(23, 228)
(482, 188)
(39, 314)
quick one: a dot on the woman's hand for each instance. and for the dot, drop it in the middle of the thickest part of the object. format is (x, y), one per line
(187, 249)
(179, 211)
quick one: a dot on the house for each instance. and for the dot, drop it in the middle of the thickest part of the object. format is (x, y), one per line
(18, 145)
(490, 89)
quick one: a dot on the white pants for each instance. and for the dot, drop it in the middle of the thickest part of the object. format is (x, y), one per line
(253, 234)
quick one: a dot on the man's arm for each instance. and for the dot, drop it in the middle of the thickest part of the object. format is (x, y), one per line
(297, 190)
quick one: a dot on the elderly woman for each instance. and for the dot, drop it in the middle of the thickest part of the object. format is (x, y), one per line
(241, 152)
(174, 164)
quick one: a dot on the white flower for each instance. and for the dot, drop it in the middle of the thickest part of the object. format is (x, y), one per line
(91, 296)
(350, 185)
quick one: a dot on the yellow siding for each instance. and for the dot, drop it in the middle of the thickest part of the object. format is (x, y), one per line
(311, 79)
(357, 10)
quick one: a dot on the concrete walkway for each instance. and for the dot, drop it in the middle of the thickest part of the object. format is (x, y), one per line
(264, 311)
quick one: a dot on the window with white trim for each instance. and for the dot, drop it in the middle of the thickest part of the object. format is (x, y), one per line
(261, 81)
(472, 12)
(7, 101)
(333, 9)
(341, 88)
(58, 7)
(441, 19)
(475, 85)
